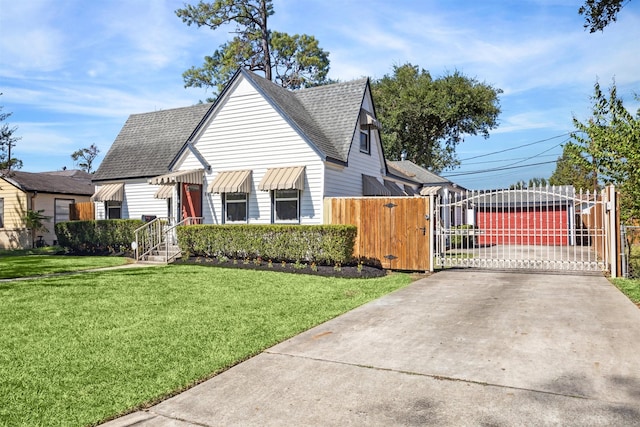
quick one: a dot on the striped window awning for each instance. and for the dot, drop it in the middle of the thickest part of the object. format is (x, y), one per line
(393, 188)
(428, 191)
(291, 178)
(372, 187)
(367, 121)
(193, 176)
(109, 193)
(231, 182)
(164, 192)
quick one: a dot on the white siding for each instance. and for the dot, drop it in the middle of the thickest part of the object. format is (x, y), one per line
(347, 181)
(245, 132)
(138, 200)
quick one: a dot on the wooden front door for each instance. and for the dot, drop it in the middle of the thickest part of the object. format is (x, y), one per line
(191, 201)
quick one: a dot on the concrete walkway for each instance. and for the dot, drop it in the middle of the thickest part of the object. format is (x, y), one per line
(459, 348)
(89, 270)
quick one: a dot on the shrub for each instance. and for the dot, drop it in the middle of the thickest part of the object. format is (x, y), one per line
(460, 237)
(97, 237)
(327, 244)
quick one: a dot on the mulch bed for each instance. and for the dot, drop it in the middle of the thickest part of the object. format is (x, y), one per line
(346, 271)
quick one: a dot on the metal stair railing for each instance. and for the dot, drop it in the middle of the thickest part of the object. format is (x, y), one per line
(150, 236)
(171, 236)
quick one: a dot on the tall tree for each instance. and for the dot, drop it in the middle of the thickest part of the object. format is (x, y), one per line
(84, 157)
(7, 142)
(292, 61)
(572, 168)
(611, 139)
(533, 183)
(600, 13)
(427, 118)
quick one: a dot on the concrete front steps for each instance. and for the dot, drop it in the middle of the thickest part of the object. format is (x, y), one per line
(159, 255)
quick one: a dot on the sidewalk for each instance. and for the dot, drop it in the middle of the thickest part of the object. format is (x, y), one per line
(91, 270)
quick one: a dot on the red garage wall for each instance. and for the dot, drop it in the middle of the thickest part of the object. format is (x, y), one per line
(522, 226)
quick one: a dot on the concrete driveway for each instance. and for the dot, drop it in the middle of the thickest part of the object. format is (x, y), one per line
(459, 348)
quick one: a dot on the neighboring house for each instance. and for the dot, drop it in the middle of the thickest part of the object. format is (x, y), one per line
(51, 192)
(538, 216)
(260, 154)
(432, 184)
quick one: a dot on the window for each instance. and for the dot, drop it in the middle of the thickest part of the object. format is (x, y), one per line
(61, 210)
(365, 145)
(1, 212)
(286, 206)
(114, 210)
(235, 207)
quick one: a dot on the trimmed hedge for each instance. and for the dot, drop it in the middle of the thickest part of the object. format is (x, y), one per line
(463, 239)
(328, 244)
(97, 237)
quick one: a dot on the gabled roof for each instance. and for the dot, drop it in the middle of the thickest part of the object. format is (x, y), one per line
(417, 173)
(325, 116)
(148, 142)
(538, 196)
(59, 182)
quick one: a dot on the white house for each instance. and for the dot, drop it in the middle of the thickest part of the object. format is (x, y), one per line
(260, 154)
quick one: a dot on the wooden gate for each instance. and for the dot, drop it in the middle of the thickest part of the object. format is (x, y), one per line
(82, 211)
(393, 230)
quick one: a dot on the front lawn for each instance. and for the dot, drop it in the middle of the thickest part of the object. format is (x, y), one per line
(14, 266)
(80, 349)
(629, 287)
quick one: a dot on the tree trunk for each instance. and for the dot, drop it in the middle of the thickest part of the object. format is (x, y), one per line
(265, 40)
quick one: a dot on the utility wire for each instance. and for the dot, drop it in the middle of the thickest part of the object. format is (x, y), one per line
(496, 169)
(484, 162)
(515, 148)
(536, 155)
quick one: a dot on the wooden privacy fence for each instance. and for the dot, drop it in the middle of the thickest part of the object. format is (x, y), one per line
(81, 211)
(394, 230)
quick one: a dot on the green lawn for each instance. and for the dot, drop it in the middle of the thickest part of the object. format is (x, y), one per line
(629, 287)
(13, 266)
(79, 349)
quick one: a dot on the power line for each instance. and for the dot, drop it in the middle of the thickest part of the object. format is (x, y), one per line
(507, 160)
(495, 169)
(536, 155)
(519, 146)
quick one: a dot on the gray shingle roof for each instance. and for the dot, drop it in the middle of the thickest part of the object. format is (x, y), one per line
(326, 115)
(538, 196)
(417, 173)
(61, 182)
(148, 142)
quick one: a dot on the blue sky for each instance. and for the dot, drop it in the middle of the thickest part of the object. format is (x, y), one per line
(72, 71)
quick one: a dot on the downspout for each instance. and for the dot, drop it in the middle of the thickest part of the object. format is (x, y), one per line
(33, 203)
(33, 208)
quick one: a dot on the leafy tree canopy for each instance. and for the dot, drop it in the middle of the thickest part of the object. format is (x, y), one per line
(611, 139)
(7, 142)
(533, 183)
(293, 61)
(572, 168)
(84, 157)
(600, 13)
(427, 118)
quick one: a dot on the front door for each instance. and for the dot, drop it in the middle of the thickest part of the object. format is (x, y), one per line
(191, 201)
